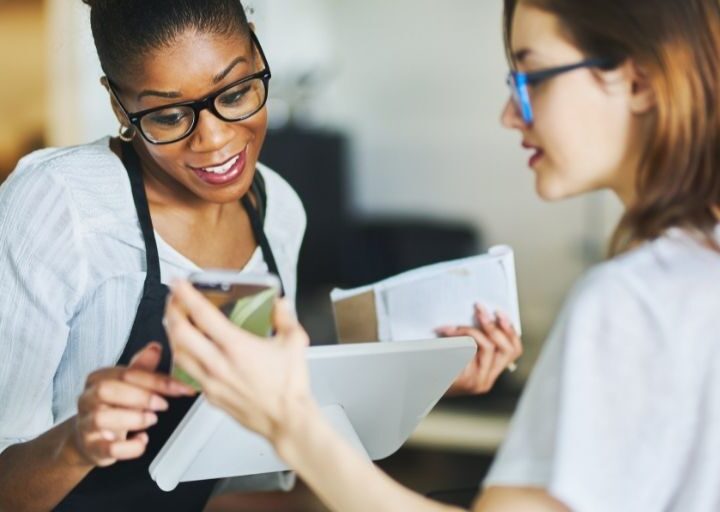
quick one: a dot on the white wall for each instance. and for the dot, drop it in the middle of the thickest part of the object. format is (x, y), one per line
(79, 108)
(419, 85)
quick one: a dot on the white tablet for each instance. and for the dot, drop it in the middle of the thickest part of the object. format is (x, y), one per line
(374, 394)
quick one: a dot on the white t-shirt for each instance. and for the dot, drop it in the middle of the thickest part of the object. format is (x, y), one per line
(72, 268)
(622, 411)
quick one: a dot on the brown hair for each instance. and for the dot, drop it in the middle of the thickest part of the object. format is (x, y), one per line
(677, 44)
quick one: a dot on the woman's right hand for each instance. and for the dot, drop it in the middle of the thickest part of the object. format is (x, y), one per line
(119, 404)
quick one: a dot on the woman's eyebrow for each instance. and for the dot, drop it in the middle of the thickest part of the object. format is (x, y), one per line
(175, 94)
(220, 76)
(161, 94)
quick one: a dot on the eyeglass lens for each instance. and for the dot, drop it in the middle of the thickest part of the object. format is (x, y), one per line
(235, 104)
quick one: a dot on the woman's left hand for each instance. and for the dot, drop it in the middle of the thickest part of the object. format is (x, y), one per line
(498, 347)
(262, 383)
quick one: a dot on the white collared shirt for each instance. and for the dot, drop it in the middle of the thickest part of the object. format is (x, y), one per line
(72, 268)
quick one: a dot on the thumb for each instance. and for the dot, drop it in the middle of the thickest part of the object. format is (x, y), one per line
(286, 323)
(148, 358)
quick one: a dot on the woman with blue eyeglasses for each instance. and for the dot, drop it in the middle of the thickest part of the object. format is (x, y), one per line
(622, 411)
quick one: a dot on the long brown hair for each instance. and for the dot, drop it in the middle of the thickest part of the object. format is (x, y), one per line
(677, 44)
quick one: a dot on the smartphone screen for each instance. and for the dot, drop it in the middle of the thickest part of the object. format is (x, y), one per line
(246, 305)
(247, 300)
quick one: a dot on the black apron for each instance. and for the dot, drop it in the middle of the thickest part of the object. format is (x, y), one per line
(126, 485)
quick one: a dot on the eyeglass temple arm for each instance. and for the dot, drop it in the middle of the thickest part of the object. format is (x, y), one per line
(115, 96)
(538, 76)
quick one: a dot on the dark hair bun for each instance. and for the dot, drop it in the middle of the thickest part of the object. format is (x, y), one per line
(125, 30)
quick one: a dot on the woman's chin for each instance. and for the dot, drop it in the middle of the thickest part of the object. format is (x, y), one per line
(548, 191)
(555, 186)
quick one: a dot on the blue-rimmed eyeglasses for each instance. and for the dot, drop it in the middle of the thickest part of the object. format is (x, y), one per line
(519, 83)
(234, 102)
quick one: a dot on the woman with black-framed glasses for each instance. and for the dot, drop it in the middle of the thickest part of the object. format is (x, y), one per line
(92, 235)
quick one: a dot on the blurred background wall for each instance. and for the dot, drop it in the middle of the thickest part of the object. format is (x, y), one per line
(23, 79)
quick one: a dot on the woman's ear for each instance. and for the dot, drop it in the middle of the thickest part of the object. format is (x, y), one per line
(642, 95)
(632, 82)
(117, 109)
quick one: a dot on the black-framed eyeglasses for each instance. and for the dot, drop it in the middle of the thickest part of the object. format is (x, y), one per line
(519, 82)
(235, 102)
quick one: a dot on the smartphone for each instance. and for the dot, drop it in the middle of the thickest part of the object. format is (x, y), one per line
(246, 299)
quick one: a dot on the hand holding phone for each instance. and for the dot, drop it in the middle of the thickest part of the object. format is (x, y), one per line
(246, 299)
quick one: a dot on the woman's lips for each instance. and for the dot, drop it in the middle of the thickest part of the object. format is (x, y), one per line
(537, 155)
(225, 173)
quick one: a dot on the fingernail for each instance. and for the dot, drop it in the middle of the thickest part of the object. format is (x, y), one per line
(108, 435)
(158, 403)
(177, 387)
(151, 418)
(504, 321)
(285, 306)
(484, 317)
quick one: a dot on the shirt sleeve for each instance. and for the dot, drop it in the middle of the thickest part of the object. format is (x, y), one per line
(41, 274)
(604, 405)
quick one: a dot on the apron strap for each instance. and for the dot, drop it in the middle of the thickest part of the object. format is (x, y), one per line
(132, 164)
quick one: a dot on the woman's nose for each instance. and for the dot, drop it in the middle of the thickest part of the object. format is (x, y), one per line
(211, 133)
(510, 117)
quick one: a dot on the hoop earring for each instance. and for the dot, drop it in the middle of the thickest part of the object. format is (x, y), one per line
(127, 135)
